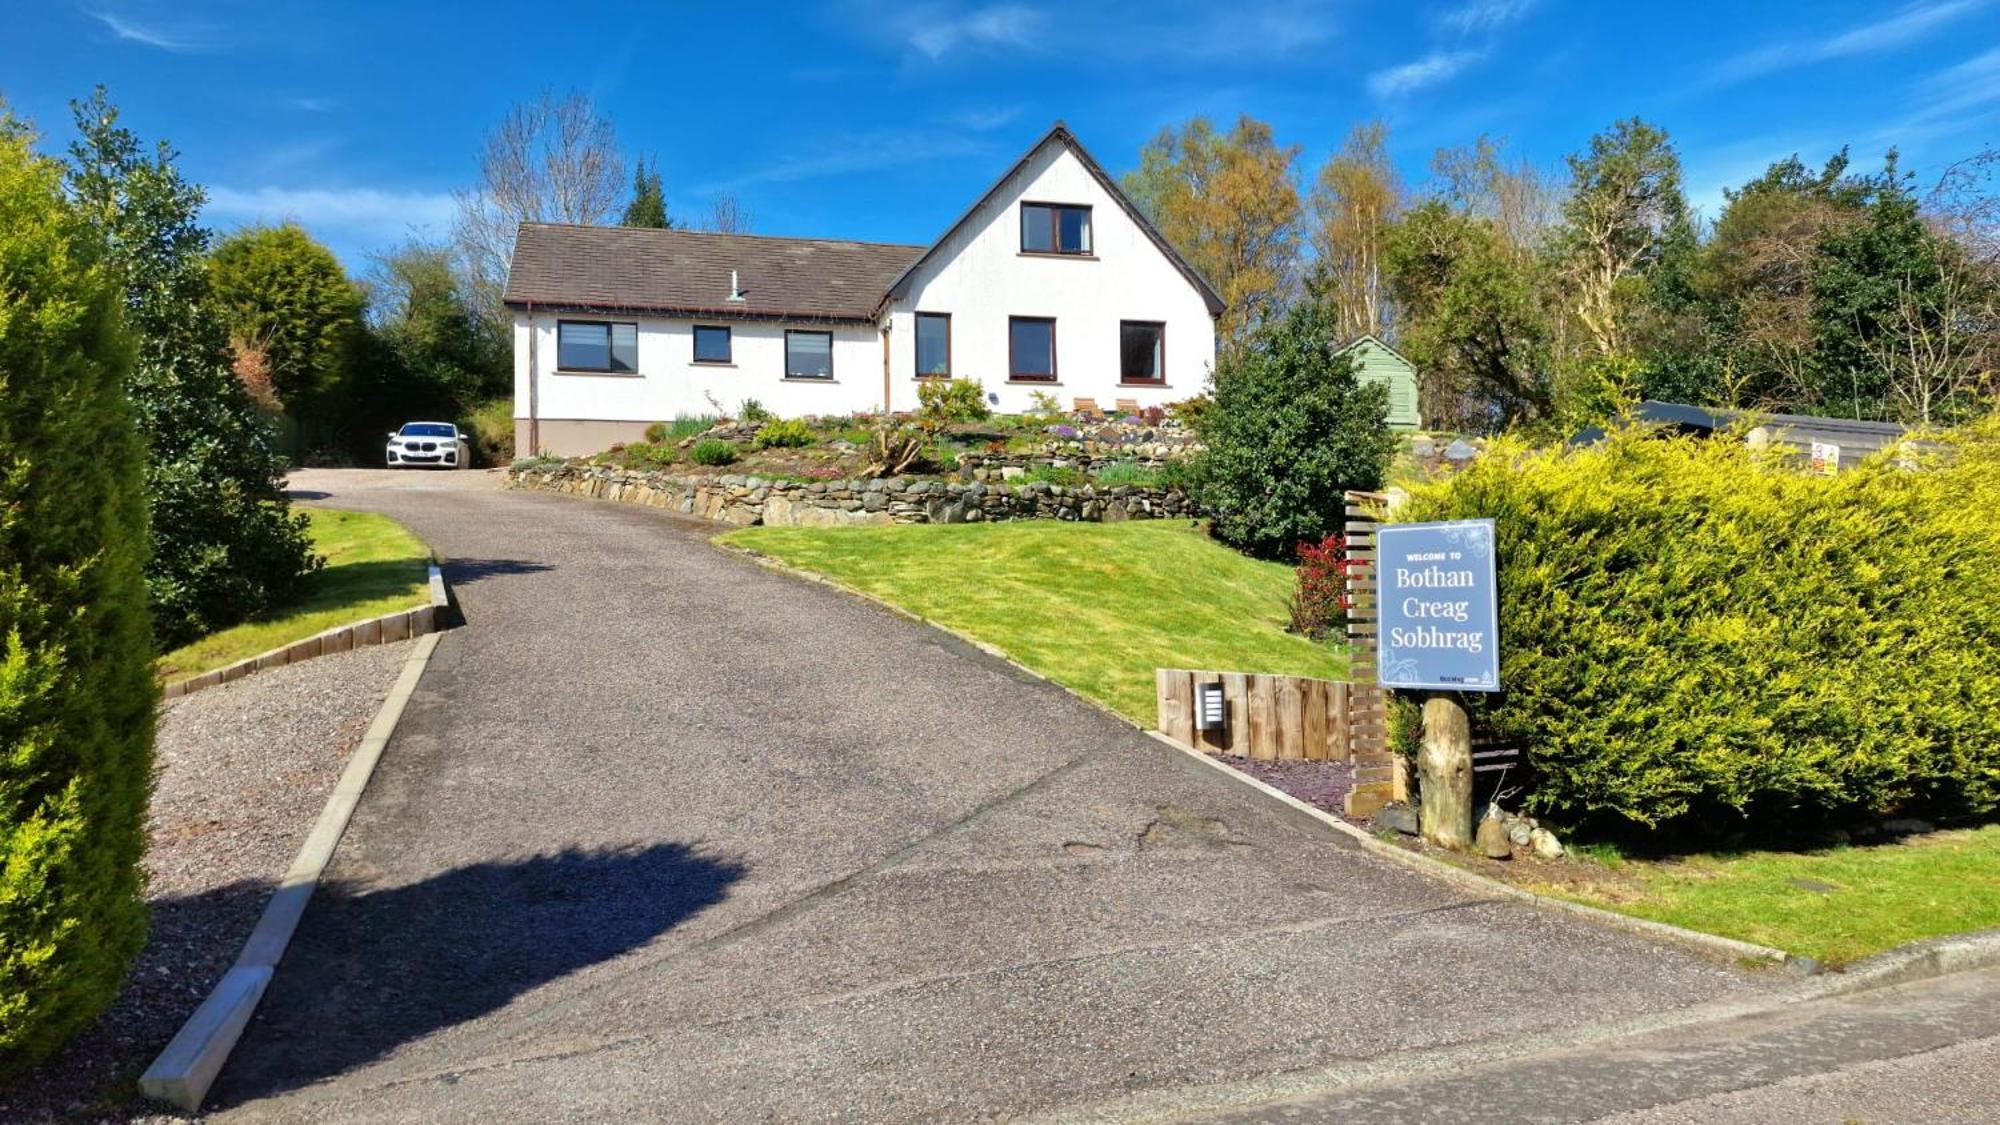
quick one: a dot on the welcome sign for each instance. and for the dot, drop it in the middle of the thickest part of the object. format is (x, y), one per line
(1438, 614)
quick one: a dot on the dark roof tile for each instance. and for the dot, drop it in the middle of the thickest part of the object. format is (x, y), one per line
(635, 269)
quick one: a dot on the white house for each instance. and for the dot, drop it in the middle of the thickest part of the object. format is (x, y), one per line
(1051, 282)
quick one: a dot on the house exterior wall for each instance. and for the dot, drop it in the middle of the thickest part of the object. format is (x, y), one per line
(981, 277)
(584, 412)
(1377, 364)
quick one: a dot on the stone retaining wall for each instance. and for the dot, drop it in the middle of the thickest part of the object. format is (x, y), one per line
(996, 466)
(745, 500)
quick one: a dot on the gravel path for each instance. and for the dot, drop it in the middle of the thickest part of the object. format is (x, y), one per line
(240, 773)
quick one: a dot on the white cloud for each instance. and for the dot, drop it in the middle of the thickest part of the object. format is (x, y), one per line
(936, 31)
(312, 105)
(363, 216)
(983, 120)
(1436, 67)
(1481, 16)
(1900, 30)
(181, 40)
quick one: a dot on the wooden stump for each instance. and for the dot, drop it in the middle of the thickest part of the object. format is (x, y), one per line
(1445, 766)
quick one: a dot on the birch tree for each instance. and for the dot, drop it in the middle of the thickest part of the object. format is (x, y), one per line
(1355, 201)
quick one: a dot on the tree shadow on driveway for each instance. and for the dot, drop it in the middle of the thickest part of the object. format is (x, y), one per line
(371, 970)
(464, 572)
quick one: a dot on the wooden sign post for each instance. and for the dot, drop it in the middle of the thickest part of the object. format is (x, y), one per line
(1444, 767)
(1439, 625)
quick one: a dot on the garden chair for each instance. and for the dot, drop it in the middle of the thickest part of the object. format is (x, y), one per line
(1127, 407)
(1088, 408)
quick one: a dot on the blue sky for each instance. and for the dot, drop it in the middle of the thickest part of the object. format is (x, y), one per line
(879, 120)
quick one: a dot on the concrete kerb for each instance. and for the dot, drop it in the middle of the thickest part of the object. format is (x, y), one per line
(389, 627)
(183, 1072)
(1917, 961)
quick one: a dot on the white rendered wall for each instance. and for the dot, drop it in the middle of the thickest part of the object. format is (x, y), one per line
(981, 278)
(670, 383)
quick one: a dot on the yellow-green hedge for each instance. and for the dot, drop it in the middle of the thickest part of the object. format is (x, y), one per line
(1698, 634)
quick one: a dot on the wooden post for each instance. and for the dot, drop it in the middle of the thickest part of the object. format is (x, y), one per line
(1445, 764)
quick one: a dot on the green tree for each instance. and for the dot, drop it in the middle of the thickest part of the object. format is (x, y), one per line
(1228, 203)
(290, 307)
(1291, 428)
(226, 543)
(76, 690)
(648, 207)
(431, 352)
(1473, 317)
(1625, 204)
(1354, 205)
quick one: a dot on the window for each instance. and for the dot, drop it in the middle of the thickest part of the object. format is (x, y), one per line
(711, 343)
(1142, 351)
(933, 345)
(1055, 228)
(1031, 348)
(808, 355)
(594, 345)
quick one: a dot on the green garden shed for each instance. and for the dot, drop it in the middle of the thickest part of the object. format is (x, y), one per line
(1375, 361)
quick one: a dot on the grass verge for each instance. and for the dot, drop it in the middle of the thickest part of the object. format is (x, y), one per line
(1095, 607)
(1836, 905)
(373, 566)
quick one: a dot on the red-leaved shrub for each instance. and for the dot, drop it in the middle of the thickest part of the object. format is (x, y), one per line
(1320, 600)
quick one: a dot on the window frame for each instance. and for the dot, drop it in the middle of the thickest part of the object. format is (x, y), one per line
(917, 345)
(1159, 378)
(728, 345)
(1014, 374)
(1055, 211)
(610, 348)
(828, 333)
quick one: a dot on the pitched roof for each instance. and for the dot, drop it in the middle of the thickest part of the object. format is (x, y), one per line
(1372, 338)
(1060, 134)
(640, 270)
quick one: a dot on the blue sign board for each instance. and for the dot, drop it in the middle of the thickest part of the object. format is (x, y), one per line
(1437, 609)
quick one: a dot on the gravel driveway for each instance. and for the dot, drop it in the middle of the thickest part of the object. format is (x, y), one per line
(240, 773)
(667, 836)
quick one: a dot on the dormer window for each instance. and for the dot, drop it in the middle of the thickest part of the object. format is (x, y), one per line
(1055, 228)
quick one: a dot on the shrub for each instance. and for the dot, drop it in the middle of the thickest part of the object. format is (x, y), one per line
(1695, 635)
(1290, 430)
(1320, 600)
(712, 451)
(490, 429)
(226, 544)
(753, 413)
(1127, 472)
(76, 689)
(682, 427)
(1064, 475)
(956, 400)
(791, 433)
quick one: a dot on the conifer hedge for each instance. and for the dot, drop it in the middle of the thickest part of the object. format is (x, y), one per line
(76, 690)
(1698, 635)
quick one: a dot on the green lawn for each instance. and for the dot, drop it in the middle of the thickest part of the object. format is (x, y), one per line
(1836, 905)
(1096, 607)
(373, 566)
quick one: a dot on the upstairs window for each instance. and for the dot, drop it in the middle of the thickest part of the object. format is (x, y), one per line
(711, 343)
(808, 355)
(1031, 348)
(1142, 347)
(1055, 228)
(595, 345)
(933, 345)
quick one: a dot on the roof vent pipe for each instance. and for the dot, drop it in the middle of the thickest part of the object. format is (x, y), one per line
(735, 290)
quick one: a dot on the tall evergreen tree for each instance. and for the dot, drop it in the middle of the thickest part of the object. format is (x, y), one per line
(226, 543)
(292, 310)
(648, 207)
(76, 687)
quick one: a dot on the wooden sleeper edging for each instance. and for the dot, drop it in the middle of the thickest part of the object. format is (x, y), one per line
(400, 625)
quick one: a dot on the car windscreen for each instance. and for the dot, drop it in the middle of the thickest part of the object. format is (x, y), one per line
(428, 429)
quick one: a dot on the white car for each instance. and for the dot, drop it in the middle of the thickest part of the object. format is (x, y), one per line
(429, 443)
